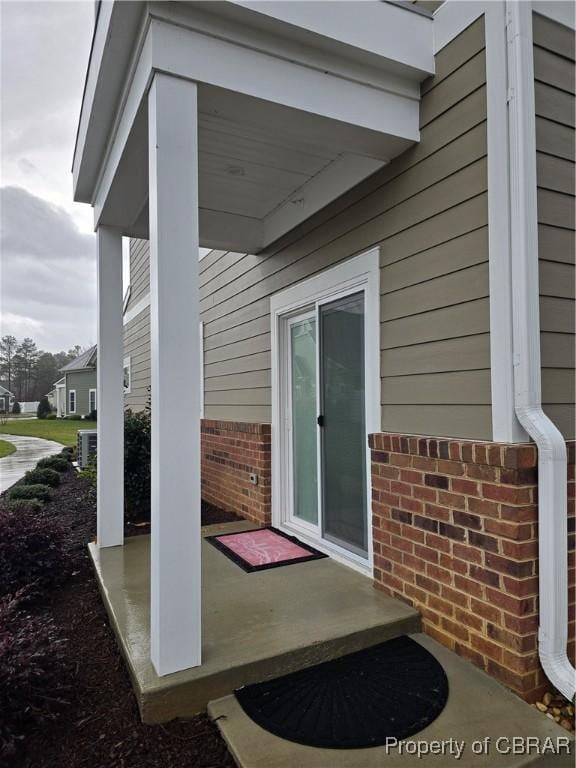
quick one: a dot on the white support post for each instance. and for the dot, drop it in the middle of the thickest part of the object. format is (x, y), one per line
(110, 494)
(176, 633)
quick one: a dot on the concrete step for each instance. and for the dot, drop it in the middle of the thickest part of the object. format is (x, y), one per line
(256, 626)
(479, 712)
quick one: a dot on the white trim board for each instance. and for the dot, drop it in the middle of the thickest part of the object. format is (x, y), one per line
(134, 311)
(362, 272)
(450, 20)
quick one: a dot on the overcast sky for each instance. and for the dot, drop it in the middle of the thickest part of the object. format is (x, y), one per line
(47, 247)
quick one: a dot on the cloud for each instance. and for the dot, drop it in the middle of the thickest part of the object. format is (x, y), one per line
(48, 272)
(44, 50)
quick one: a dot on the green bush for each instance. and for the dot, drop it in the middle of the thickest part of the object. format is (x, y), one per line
(68, 453)
(59, 463)
(50, 416)
(43, 408)
(89, 471)
(39, 491)
(42, 477)
(23, 505)
(92, 416)
(137, 466)
(16, 407)
(74, 417)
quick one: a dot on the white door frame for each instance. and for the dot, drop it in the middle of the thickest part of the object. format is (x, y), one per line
(358, 273)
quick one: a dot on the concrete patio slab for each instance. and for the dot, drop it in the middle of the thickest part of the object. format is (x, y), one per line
(29, 451)
(479, 711)
(256, 626)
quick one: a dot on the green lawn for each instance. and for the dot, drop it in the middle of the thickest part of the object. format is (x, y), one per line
(6, 448)
(59, 430)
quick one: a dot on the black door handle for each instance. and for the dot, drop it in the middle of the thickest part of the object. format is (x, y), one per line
(320, 420)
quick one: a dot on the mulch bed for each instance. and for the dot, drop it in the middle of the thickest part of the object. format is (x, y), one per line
(100, 727)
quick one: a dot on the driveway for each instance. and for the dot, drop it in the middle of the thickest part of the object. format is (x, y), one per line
(29, 450)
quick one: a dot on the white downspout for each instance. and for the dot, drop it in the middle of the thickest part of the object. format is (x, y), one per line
(552, 459)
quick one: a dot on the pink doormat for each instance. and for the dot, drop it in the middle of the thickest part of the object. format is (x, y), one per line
(263, 548)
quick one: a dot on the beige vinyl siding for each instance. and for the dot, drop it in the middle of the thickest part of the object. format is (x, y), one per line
(427, 210)
(139, 271)
(137, 347)
(554, 95)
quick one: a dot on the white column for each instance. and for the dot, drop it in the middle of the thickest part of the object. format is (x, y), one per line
(110, 499)
(176, 633)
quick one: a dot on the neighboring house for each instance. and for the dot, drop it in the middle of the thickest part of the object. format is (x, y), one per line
(51, 397)
(60, 397)
(380, 343)
(76, 390)
(7, 400)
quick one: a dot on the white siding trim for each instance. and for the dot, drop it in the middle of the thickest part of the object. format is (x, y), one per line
(201, 367)
(139, 307)
(70, 409)
(505, 424)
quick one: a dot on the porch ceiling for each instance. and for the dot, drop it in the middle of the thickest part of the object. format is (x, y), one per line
(289, 117)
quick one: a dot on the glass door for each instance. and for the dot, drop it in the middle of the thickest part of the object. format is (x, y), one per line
(342, 422)
(303, 397)
(325, 416)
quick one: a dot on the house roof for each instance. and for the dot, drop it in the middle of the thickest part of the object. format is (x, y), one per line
(86, 359)
(4, 391)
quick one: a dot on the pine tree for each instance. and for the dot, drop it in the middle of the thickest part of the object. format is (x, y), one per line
(8, 346)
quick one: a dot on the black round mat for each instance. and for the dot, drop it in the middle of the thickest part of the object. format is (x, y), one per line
(394, 689)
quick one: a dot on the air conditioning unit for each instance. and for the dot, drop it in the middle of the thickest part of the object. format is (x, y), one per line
(87, 444)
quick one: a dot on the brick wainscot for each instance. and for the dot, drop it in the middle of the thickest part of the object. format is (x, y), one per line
(455, 535)
(231, 452)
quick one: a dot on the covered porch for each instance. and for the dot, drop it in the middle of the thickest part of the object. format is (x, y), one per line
(255, 626)
(223, 125)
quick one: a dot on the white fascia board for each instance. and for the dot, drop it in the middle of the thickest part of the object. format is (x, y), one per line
(452, 18)
(96, 57)
(389, 31)
(232, 24)
(135, 93)
(119, 28)
(186, 53)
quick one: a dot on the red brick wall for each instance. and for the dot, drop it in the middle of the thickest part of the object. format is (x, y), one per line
(455, 535)
(231, 451)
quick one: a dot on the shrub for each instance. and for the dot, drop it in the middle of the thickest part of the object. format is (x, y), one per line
(137, 466)
(74, 417)
(59, 463)
(33, 674)
(68, 453)
(42, 477)
(50, 416)
(16, 407)
(43, 408)
(90, 471)
(31, 551)
(41, 492)
(24, 505)
(92, 416)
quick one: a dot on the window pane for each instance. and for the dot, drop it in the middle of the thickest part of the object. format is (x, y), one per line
(344, 434)
(304, 456)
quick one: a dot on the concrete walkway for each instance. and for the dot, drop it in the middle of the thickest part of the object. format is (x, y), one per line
(475, 730)
(29, 450)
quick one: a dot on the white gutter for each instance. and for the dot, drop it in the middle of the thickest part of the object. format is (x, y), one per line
(552, 459)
